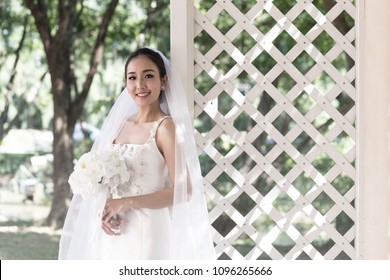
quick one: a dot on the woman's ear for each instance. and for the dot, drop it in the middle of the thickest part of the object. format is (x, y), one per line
(164, 82)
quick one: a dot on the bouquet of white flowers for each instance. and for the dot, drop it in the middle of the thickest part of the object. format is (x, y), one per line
(95, 172)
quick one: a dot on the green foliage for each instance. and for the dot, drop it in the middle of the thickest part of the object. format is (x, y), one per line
(23, 92)
(12, 17)
(81, 147)
(9, 164)
(224, 184)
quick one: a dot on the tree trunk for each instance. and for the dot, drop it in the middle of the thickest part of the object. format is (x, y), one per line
(61, 80)
(58, 49)
(62, 167)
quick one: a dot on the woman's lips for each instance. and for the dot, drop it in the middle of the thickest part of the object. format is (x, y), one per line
(142, 94)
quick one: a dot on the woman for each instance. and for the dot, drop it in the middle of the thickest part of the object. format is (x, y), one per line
(161, 212)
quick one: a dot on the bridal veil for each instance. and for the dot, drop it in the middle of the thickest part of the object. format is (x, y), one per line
(191, 229)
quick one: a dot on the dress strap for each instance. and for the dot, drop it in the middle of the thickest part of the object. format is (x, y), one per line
(156, 125)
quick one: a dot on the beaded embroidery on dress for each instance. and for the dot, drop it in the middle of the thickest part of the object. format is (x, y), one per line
(145, 233)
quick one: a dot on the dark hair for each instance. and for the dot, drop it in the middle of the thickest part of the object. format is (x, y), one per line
(152, 55)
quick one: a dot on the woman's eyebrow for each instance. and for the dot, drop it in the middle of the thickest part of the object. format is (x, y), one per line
(146, 70)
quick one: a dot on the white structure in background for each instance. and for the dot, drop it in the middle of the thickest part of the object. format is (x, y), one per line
(26, 141)
(367, 204)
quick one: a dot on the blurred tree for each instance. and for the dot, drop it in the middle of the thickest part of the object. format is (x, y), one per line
(6, 122)
(56, 22)
(71, 51)
(18, 109)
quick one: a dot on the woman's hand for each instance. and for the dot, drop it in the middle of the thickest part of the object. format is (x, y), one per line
(111, 221)
(113, 226)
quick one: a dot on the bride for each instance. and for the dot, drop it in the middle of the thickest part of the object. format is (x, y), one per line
(160, 213)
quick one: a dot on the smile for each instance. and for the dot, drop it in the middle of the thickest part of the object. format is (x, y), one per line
(143, 94)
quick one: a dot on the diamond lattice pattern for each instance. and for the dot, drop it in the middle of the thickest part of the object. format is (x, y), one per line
(275, 124)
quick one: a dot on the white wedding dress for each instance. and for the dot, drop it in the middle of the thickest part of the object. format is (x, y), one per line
(145, 233)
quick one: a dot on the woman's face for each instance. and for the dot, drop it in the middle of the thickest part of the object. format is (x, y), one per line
(143, 81)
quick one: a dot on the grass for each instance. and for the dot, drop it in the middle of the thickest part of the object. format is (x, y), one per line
(23, 240)
(21, 235)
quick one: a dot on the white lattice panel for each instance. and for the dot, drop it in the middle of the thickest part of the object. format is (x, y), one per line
(277, 173)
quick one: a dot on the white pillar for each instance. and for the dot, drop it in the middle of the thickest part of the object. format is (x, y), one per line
(374, 112)
(182, 44)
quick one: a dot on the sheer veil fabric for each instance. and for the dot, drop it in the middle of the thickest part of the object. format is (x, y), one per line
(191, 230)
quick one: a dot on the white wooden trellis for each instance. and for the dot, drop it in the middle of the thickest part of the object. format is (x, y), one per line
(283, 223)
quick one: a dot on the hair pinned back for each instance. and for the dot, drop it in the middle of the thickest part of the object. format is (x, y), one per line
(153, 56)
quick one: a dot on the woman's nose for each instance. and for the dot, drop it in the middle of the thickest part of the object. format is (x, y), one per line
(141, 83)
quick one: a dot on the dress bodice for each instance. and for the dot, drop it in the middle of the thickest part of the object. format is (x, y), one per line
(146, 166)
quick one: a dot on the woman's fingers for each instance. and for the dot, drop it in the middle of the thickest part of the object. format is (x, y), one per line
(106, 215)
(111, 222)
(112, 226)
(111, 208)
(107, 228)
(115, 223)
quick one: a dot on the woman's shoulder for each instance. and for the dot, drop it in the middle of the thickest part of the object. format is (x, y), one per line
(166, 125)
(165, 129)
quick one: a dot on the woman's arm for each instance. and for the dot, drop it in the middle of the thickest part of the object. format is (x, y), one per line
(165, 139)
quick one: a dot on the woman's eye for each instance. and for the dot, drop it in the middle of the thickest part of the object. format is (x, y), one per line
(131, 78)
(149, 76)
